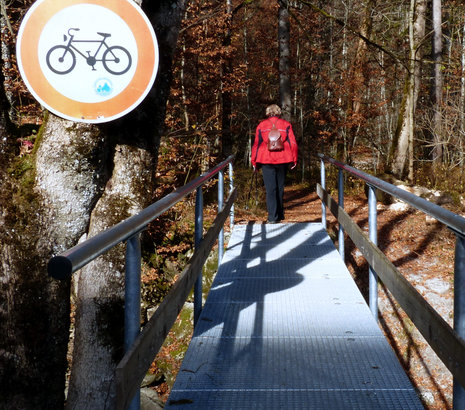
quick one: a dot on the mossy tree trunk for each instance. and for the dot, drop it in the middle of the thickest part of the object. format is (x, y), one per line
(46, 200)
(98, 344)
(78, 180)
(401, 156)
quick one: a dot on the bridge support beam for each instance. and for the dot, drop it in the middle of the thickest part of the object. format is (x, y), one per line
(373, 234)
(340, 186)
(231, 187)
(198, 240)
(220, 208)
(459, 309)
(323, 185)
(132, 301)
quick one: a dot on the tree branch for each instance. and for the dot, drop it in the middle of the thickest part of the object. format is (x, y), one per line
(7, 20)
(355, 32)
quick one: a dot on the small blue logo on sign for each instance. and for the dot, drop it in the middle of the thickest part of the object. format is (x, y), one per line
(103, 87)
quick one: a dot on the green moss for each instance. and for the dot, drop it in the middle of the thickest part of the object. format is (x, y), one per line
(22, 203)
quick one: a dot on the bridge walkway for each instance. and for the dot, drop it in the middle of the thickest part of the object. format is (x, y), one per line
(285, 327)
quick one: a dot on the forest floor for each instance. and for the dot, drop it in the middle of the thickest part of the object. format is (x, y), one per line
(422, 250)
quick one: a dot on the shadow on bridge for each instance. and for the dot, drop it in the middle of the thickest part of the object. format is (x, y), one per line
(412, 250)
(256, 273)
(284, 326)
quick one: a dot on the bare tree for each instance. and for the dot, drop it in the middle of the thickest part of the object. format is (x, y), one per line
(402, 147)
(284, 54)
(358, 81)
(437, 92)
(227, 142)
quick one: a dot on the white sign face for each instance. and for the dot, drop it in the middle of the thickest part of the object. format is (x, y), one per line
(90, 62)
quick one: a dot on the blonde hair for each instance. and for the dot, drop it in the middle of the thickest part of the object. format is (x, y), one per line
(273, 111)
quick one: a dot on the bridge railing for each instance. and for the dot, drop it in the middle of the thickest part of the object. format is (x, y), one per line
(142, 346)
(447, 342)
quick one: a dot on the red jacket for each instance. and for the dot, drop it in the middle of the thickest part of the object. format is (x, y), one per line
(260, 153)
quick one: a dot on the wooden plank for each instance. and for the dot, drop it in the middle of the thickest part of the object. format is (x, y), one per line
(447, 344)
(135, 363)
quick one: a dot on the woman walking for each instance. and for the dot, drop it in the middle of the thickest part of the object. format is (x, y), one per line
(274, 149)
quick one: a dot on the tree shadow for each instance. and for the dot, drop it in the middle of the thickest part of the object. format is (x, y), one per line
(235, 321)
(412, 348)
(291, 196)
(361, 277)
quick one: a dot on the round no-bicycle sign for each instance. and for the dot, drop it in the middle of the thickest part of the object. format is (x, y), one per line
(87, 60)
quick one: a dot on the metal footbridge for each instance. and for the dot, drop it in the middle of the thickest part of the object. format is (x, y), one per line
(285, 327)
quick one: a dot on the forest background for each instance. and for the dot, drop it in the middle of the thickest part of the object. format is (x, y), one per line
(378, 84)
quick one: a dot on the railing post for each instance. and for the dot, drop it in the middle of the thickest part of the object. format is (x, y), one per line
(323, 185)
(459, 309)
(231, 187)
(198, 240)
(373, 234)
(341, 204)
(220, 208)
(132, 300)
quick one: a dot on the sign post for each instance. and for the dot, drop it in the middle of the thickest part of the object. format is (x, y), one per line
(87, 60)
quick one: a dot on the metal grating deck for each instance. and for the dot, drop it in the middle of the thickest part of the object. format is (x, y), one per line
(285, 327)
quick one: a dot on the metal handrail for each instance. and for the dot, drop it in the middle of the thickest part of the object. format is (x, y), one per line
(62, 266)
(69, 261)
(453, 221)
(448, 343)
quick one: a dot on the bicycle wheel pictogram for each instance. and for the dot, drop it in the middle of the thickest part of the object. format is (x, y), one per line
(61, 59)
(116, 60)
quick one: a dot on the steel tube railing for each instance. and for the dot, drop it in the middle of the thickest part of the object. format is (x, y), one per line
(448, 218)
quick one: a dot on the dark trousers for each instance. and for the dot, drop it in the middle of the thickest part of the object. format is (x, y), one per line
(274, 177)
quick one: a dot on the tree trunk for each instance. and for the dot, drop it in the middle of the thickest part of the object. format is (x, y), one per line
(285, 93)
(403, 138)
(341, 151)
(183, 91)
(249, 130)
(226, 109)
(49, 199)
(44, 212)
(462, 97)
(357, 79)
(100, 301)
(462, 81)
(438, 82)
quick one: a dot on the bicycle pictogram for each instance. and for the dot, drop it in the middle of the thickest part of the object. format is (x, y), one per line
(61, 59)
